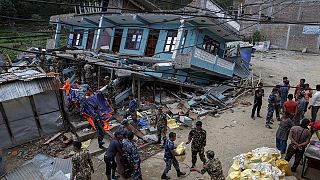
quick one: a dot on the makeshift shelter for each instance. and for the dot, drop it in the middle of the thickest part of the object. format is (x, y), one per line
(29, 106)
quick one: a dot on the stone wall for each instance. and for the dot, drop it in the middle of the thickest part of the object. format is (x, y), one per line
(283, 36)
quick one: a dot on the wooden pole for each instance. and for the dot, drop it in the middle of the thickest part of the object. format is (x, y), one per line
(99, 74)
(154, 92)
(160, 94)
(133, 86)
(139, 95)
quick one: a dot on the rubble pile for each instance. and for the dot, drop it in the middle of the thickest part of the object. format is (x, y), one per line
(58, 147)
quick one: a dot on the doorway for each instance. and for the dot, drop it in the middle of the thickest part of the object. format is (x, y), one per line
(90, 39)
(152, 42)
(117, 40)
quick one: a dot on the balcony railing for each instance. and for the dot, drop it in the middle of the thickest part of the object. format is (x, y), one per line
(204, 60)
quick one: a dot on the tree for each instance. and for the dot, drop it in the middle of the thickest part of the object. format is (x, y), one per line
(7, 8)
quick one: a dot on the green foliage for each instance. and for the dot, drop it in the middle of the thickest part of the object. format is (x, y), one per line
(256, 37)
(7, 8)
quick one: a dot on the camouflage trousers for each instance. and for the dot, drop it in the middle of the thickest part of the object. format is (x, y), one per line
(162, 132)
(194, 153)
(137, 175)
(169, 163)
(271, 109)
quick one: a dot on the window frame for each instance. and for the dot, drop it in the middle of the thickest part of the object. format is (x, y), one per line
(135, 34)
(172, 34)
(210, 45)
(77, 38)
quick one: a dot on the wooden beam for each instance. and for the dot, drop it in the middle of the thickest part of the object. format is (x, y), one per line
(133, 86)
(35, 114)
(139, 95)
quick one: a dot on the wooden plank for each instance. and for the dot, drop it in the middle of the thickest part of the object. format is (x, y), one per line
(53, 138)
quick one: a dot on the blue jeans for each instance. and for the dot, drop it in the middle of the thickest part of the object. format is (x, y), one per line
(281, 145)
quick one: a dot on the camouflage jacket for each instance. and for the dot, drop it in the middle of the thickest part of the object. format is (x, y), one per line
(214, 169)
(81, 165)
(131, 151)
(198, 138)
(161, 120)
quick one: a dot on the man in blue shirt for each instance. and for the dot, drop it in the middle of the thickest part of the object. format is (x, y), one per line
(109, 156)
(284, 90)
(169, 157)
(133, 105)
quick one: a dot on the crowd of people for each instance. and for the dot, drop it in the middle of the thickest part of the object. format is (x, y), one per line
(122, 149)
(293, 123)
(289, 109)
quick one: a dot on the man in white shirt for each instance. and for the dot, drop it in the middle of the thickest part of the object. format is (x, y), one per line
(315, 104)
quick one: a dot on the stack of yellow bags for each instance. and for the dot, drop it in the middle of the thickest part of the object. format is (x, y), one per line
(261, 163)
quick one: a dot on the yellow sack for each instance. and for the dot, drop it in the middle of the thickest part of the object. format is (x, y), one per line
(172, 124)
(283, 165)
(247, 174)
(235, 167)
(234, 175)
(181, 151)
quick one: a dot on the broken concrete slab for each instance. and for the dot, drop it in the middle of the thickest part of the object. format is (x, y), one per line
(85, 134)
(79, 125)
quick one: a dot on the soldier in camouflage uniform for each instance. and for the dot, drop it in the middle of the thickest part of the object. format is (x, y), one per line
(213, 167)
(132, 155)
(271, 107)
(198, 136)
(81, 163)
(161, 124)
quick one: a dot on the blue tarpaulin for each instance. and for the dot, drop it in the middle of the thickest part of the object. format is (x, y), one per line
(245, 53)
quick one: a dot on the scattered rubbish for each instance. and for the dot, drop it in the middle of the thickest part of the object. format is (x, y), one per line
(150, 138)
(172, 124)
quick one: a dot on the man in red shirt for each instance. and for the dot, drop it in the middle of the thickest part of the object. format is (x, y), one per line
(290, 106)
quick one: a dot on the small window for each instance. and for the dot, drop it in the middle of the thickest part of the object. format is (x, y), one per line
(170, 41)
(210, 45)
(77, 38)
(134, 38)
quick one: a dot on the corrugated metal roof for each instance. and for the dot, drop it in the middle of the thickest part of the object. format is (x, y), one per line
(65, 165)
(27, 171)
(17, 89)
(22, 75)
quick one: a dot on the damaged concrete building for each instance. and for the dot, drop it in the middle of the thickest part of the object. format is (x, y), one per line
(190, 40)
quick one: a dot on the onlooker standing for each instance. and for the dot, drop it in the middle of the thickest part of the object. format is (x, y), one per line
(284, 90)
(315, 104)
(82, 165)
(198, 136)
(299, 88)
(169, 157)
(300, 109)
(300, 138)
(271, 107)
(109, 156)
(283, 132)
(258, 94)
(290, 106)
(278, 102)
(307, 96)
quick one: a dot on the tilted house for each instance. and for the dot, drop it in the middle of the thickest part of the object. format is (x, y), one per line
(191, 38)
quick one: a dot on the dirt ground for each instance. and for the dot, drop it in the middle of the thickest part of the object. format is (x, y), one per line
(235, 132)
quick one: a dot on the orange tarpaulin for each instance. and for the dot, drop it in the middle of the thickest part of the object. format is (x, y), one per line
(106, 126)
(67, 87)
